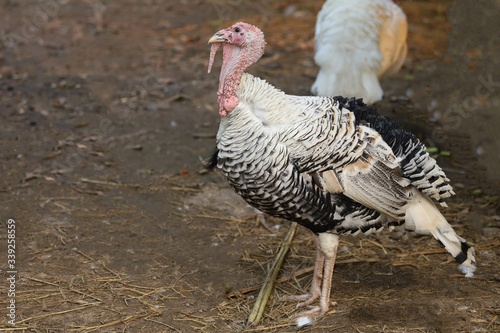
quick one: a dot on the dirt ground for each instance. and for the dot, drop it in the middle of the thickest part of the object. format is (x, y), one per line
(107, 113)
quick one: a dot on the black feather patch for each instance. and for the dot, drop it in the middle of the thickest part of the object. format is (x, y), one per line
(211, 163)
(396, 137)
(465, 247)
(462, 256)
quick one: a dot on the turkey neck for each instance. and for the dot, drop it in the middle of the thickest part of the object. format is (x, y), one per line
(236, 58)
(230, 76)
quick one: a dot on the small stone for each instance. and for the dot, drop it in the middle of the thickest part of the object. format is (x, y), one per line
(480, 150)
(487, 255)
(290, 10)
(135, 147)
(410, 93)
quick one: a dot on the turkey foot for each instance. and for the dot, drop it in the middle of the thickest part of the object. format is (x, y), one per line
(316, 311)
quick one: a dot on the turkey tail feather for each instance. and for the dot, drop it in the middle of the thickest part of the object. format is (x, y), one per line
(211, 163)
(423, 217)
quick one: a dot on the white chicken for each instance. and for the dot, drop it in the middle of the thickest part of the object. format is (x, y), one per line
(356, 43)
(333, 165)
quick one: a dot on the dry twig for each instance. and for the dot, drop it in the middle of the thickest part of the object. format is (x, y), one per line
(268, 286)
(57, 313)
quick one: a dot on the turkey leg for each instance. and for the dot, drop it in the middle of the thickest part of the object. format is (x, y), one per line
(326, 253)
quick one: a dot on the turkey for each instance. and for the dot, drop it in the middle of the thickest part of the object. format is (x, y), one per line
(356, 43)
(332, 164)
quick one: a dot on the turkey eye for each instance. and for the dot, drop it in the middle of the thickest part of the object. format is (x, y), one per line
(237, 30)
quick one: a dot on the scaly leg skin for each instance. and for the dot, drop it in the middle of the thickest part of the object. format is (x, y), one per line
(329, 245)
(315, 290)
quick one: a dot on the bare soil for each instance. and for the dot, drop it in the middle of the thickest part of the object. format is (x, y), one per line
(107, 114)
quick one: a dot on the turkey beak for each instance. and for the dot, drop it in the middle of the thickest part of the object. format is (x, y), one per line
(219, 37)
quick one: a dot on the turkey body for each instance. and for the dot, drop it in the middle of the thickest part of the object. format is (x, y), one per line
(265, 158)
(331, 164)
(357, 42)
(321, 162)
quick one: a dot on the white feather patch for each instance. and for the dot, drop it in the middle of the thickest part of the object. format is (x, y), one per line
(467, 271)
(332, 183)
(328, 242)
(303, 322)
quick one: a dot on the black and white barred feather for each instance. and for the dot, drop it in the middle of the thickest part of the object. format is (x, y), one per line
(331, 164)
(416, 163)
